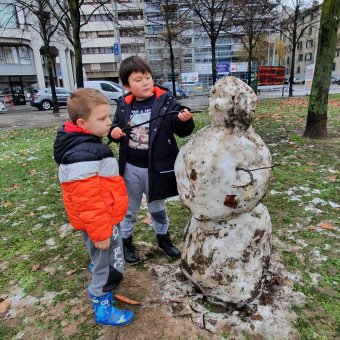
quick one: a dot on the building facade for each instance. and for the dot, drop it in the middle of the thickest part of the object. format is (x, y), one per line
(306, 49)
(22, 67)
(192, 48)
(112, 33)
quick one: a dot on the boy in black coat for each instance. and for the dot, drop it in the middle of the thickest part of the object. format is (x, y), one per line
(147, 153)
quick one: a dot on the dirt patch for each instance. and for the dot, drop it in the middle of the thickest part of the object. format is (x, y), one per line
(171, 308)
(153, 318)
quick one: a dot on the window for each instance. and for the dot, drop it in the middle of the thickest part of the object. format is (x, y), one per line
(333, 66)
(130, 15)
(337, 53)
(299, 45)
(310, 31)
(10, 54)
(108, 87)
(309, 43)
(8, 16)
(24, 55)
(132, 48)
(107, 67)
(106, 34)
(298, 69)
(300, 58)
(308, 56)
(288, 60)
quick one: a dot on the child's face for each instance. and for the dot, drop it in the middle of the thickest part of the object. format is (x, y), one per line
(98, 121)
(140, 85)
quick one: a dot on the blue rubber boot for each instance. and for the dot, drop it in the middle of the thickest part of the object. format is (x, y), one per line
(106, 314)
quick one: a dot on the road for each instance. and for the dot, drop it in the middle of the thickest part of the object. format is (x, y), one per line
(26, 116)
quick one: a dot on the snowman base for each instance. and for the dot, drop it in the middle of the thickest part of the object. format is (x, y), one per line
(228, 260)
(268, 316)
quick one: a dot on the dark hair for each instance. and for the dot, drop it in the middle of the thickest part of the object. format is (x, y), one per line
(130, 65)
(82, 101)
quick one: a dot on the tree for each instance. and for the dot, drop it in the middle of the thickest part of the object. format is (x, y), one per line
(316, 126)
(39, 19)
(260, 51)
(294, 25)
(214, 16)
(171, 23)
(253, 18)
(72, 18)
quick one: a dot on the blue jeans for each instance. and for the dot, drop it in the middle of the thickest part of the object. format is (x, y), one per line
(137, 183)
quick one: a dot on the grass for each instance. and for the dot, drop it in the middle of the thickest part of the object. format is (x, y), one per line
(37, 258)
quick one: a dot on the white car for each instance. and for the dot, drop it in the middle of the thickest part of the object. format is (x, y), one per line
(109, 89)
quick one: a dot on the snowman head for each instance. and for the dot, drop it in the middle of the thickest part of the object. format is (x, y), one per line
(232, 104)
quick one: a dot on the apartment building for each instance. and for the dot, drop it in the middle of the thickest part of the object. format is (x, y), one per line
(113, 32)
(22, 67)
(307, 46)
(192, 49)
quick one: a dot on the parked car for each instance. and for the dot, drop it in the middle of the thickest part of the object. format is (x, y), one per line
(109, 89)
(299, 81)
(180, 92)
(335, 80)
(42, 99)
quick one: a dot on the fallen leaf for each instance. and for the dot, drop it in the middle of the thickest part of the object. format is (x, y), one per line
(312, 163)
(32, 171)
(8, 204)
(4, 306)
(331, 178)
(257, 317)
(327, 225)
(30, 214)
(15, 186)
(308, 170)
(70, 272)
(35, 267)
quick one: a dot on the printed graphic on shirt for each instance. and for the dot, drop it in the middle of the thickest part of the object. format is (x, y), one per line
(139, 136)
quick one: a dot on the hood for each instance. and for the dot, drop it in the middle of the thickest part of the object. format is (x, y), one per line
(68, 137)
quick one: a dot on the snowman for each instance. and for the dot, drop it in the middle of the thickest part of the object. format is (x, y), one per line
(222, 174)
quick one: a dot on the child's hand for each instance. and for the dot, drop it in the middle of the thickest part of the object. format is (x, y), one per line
(184, 115)
(104, 245)
(117, 133)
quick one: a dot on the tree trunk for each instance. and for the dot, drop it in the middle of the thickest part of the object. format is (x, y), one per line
(172, 66)
(250, 57)
(47, 56)
(316, 126)
(294, 44)
(52, 85)
(75, 22)
(213, 59)
(79, 64)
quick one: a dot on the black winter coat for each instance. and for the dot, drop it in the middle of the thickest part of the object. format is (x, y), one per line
(163, 147)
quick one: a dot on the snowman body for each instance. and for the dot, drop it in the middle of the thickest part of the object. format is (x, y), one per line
(222, 174)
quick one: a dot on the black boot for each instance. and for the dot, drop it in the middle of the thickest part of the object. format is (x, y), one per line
(165, 244)
(130, 252)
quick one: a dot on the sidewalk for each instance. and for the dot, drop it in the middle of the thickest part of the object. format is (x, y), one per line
(24, 116)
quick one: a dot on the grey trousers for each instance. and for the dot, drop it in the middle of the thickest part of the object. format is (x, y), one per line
(108, 264)
(137, 183)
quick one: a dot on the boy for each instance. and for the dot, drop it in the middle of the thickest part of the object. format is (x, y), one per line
(147, 152)
(95, 196)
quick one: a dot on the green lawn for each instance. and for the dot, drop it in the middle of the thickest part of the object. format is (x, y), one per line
(37, 250)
